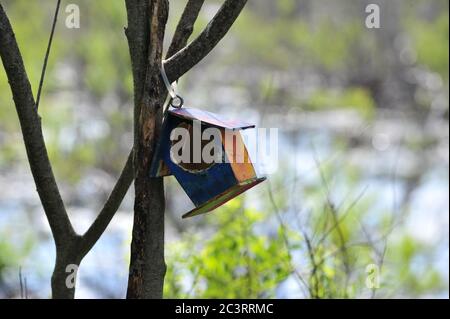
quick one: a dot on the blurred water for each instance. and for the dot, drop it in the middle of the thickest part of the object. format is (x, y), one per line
(387, 165)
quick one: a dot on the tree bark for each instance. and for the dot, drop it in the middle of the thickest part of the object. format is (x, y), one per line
(67, 262)
(147, 265)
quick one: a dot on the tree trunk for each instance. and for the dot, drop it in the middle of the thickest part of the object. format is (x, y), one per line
(68, 259)
(146, 25)
(64, 277)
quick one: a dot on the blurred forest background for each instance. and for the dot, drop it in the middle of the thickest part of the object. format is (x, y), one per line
(363, 171)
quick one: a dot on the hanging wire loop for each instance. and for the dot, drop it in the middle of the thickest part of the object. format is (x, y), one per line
(176, 101)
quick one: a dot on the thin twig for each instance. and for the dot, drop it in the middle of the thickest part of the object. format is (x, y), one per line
(20, 282)
(343, 217)
(287, 244)
(335, 215)
(26, 287)
(314, 292)
(47, 54)
(245, 234)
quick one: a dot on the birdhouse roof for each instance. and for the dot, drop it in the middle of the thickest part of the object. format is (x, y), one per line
(210, 118)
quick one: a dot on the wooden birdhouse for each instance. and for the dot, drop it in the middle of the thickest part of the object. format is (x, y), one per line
(209, 184)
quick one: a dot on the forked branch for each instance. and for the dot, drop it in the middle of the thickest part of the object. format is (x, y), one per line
(185, 26)
(187, 58)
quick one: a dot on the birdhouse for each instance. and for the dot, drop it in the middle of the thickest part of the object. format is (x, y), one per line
(207, 156)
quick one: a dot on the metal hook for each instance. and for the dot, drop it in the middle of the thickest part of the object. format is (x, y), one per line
(177, 102)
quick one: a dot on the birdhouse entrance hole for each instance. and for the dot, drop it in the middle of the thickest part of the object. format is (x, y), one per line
(194, 151)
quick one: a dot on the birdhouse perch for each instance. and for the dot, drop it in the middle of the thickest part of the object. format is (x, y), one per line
(208, 184)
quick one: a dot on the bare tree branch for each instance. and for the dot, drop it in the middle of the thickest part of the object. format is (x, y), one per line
(30, 123)
(111, 206)
(177, 65)
(185, 26)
